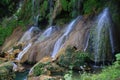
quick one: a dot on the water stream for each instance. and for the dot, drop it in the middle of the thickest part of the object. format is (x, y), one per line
(48, 32)
(62, 39)
(28, 34)
(103, 40)
(20, 55)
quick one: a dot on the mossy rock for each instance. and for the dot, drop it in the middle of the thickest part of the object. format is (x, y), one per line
(47, 68)
(6, 72)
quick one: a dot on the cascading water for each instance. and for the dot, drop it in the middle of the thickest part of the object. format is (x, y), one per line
(47, 33)
(36, 21)
(20, 55)
(14, 66)
(28, 34)
(87, 42)
(20, 5)
(35, 12)
(102, 39)
(26, 37)
(62, 39)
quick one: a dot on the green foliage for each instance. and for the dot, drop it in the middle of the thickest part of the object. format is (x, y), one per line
(64, 4)
(68, 76)
(7, 26)
(5, 32)
(25, 12)
(109, 73)
(6, 72)
(72, 58)
(39, 68)
(71, 6)
(7, 8)
(117, 57)
(43, 9)
(7, 75)
(93, 6)
(6, 29)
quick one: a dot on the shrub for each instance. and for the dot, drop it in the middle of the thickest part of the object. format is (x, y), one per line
(39, 68)
(109, 73)
(73, 58)
(91, 6)
(6, 72)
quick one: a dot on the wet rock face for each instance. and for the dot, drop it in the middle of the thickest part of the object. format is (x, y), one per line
(102, 41)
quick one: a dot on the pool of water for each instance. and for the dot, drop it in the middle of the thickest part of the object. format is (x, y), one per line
(21, 75)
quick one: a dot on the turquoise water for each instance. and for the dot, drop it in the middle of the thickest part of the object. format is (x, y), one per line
(21, 75)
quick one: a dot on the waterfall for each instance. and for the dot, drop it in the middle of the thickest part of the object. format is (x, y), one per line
(19, 6)
(28, 34)
(62, 39)
(36, 21)
(26, 37)
(87, 42)
(20, 55)
(14, 66)
(103, 38)
(47, 33)
(35, 12)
